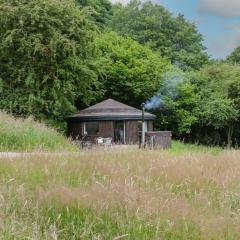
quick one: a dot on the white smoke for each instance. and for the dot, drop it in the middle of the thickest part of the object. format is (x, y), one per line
(169, 89)
(153, 103)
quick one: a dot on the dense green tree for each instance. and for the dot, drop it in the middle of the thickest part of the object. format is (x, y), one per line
(102, 10)
(178, 108)
(234, 57)
(132, 73)
(218, 109)
(155, 26)
(201, 106)
(46, 57)
(226, 79)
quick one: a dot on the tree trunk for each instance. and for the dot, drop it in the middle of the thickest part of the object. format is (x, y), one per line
(229, 136)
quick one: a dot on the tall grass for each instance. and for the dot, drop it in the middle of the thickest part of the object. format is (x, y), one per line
(17, 134)
(182, 148)
(130, 194)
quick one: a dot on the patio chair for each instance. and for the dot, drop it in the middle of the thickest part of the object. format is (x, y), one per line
(107, 142)
(99, 141)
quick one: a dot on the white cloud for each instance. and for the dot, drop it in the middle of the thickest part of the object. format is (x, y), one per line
(227, 8)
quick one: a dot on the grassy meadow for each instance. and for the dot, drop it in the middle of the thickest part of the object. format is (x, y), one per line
(21, 135)
(122, 193)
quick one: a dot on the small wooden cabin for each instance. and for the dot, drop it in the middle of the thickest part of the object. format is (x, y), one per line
(109, 119)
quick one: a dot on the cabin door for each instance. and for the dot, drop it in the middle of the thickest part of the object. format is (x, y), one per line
(119, 132)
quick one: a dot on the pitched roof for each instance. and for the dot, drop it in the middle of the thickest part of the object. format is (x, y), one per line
(110, 110)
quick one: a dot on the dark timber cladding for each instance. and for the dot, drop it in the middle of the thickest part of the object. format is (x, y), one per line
(110, 119)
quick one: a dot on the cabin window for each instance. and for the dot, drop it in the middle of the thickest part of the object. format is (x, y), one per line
(91, 128)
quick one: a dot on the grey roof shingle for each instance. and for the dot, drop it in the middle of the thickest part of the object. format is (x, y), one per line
(110, 110)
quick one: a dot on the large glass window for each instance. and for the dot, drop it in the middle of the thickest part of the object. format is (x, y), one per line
(91, 128)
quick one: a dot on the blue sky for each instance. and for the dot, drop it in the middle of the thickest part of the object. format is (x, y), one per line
(219, 26)
(217, 20)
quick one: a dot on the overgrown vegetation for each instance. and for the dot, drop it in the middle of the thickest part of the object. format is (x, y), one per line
(46, 54)
(17, 134)
(131, 193)
(58, 56)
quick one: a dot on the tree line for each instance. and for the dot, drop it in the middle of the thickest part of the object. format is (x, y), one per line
(58, 56)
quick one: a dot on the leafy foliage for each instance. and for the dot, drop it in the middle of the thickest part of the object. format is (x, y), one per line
(219, 105)
(153, 25)
(129, 69)
(179, 103)
(234, 57)
(203, 108)
(102, 10)
(46, 56)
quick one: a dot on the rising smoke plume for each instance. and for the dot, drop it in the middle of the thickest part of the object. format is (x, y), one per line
(169, 89)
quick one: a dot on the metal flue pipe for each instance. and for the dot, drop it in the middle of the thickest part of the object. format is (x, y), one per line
(143, 128)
